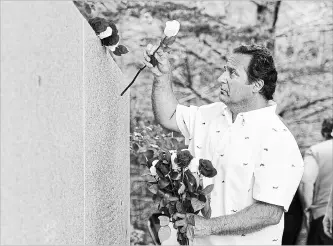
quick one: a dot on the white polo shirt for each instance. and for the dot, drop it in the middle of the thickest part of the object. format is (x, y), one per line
(256, 157)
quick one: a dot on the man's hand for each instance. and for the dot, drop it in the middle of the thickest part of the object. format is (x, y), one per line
(302, 237)
(327, 225)
(163, 66)
(191, 224)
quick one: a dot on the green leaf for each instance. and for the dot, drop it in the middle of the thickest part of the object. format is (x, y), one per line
(162, 183)
(142, 159)
(168, 197)
(122, 49)
(175, 175)
(149, 154)
(153, 188)
(190, 181)
(172, 208)
(196, 204)
(180, 208)
(156, 198)
(169, 40)
(87, 8)
(207, 190)
(135, 147)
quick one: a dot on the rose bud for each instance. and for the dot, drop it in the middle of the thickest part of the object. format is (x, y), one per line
(206, 168)
(171, 28)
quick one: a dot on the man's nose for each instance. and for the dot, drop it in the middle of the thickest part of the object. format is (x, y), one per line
(222, 79)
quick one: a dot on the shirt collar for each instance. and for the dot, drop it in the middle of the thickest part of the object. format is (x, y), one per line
(257, 114)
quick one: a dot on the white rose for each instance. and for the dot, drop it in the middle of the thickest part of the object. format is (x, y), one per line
(106, 33)
(194, 165)
(113, 47)
(171, 28)
(174, 166)
(153, 170)
(154, 162)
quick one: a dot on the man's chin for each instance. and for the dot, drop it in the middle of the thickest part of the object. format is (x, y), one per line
(224, 98)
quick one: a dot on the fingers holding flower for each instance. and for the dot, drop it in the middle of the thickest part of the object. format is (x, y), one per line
(193, 225)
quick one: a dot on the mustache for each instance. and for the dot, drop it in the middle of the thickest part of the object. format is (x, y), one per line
(222, 89)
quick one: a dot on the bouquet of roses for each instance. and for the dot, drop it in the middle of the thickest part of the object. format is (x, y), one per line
(177, 186)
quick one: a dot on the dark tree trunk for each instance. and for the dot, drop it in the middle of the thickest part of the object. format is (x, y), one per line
(267, 16)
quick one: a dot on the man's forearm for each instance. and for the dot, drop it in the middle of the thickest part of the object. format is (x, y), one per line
(248, 220)
(306, 194)
(164, 101)
(329, 204)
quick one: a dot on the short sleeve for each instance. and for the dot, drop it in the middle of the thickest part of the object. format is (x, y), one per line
(185, 117)
(280, 171)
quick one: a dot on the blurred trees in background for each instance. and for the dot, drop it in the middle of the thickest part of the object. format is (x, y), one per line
(299, 33)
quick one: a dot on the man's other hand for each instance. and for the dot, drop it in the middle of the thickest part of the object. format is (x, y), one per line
(327, 225)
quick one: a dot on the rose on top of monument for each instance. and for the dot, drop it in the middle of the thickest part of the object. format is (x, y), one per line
(108, 33)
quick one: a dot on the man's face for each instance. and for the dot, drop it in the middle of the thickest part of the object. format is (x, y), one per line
(235, 87)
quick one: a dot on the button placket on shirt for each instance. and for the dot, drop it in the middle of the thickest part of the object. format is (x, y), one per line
(244, 139)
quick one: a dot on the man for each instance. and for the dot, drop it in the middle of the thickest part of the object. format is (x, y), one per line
(257, 159)
(315, 188)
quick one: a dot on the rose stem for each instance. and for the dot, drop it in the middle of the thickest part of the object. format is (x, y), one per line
(141, 69)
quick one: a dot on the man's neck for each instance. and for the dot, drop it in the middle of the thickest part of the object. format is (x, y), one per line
(256, 103)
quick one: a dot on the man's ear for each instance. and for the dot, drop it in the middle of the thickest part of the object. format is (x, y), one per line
(257, 85)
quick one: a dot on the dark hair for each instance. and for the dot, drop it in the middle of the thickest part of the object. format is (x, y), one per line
(326, 128)
(261, 67)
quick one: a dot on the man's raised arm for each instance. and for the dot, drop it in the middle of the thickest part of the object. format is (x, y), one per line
(163, 100)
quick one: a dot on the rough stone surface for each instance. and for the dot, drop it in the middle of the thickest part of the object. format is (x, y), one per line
(64, 130)
(107, 147)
